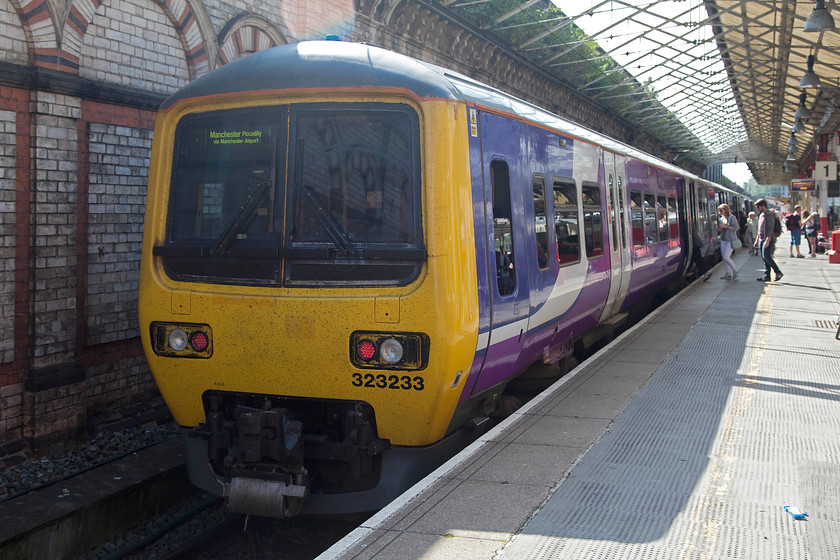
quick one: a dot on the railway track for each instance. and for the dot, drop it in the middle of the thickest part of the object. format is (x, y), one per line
(202, 528)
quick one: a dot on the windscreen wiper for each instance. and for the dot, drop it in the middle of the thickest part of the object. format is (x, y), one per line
(244, 216)
(328, 222)
(333, 229)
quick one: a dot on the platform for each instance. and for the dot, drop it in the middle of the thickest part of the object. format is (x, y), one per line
(684, 438)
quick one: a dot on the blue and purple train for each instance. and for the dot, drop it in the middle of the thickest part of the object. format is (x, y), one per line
(349, 254)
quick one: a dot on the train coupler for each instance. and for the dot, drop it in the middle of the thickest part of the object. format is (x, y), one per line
(268, 498)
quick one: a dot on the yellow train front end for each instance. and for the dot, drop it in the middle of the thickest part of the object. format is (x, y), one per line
(308, 299)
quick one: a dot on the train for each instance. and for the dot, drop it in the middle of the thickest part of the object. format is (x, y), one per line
(349, 255)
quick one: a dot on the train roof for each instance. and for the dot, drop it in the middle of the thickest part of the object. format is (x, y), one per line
(336, 64)
(320, 64)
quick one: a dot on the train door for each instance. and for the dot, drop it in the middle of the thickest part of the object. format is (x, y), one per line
(620, 263)
(505, 183)
(692, 227)
(680, 229)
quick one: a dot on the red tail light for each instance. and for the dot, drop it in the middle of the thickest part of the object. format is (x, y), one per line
(366, 350)
(199, 341)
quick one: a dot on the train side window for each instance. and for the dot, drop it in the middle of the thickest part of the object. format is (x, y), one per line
(662, 217)
(540, 221)
(673, 228)
(702, 217)
(650, 218)
(503, 228)
(566, 221)
(593, 223)
(637, 218)
(622, 217)
(613, 217)
(711, 208)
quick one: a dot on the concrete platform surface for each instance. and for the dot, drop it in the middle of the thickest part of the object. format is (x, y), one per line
(684, 438)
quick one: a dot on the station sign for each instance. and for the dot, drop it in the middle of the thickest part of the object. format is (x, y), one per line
(825, 171)
(797, 185)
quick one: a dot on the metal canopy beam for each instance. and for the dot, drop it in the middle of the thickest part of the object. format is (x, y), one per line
(717, 77)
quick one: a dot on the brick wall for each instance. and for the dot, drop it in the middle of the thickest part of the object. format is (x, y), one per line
(12, 35)
(7, 235)
(54, 221)
(117, 172)
(132, 43)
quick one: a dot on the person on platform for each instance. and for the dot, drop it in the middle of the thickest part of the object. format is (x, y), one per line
(766, 240)
(728, 230)
(700, 266)
(809, 224)
(752, 232)
(793, 223)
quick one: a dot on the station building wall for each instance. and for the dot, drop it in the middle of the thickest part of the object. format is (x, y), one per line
(79, 84)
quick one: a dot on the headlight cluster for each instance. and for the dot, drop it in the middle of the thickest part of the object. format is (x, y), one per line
(184, 340)
(404, 351)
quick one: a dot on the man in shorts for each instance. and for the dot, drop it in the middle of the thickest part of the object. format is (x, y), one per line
(794, 226)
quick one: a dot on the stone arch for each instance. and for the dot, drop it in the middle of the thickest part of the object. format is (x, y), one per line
(16, 38)
(246, 34)
(38, 22)
(190, 21)
(380, 11)
(122, 47)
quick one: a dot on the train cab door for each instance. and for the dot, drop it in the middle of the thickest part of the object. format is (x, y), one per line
(619, 247)
(506, 226)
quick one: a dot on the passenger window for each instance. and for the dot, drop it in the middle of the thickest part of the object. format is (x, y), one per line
(673, 228)
(612, 211)
(540, 221)
(593, 224)
(662, 217)
(503, 228)
(623, 224)
(650, 219)
(701, 209)
(566, 221)
(711, 207)
(638, 218)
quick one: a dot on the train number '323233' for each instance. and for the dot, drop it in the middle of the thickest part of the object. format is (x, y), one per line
(382, 381)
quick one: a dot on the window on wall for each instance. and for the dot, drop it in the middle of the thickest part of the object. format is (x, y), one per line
(566, 221)
(503, 228)
(593, 224)
(540, 222)
(637, 217)
(651, 234)
(673, 227)
(662, 217)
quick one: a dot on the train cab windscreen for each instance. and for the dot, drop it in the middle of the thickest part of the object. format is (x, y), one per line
(300, 195)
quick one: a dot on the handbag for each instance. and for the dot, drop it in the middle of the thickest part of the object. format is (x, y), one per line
(736, 243)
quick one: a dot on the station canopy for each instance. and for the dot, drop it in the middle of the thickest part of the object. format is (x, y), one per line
(714, 81)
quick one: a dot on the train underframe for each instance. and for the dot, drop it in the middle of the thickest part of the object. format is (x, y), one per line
(280, 457)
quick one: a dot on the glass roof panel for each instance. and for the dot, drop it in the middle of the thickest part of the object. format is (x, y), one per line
(669, 47)
(716, 80)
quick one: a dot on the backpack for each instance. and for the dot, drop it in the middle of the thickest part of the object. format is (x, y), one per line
(789, 223)
(816, 222)
(777, 226)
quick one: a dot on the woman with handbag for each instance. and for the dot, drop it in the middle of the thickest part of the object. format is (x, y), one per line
(728, 230)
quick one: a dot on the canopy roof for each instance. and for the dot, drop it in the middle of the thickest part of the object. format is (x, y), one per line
(716, 81)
